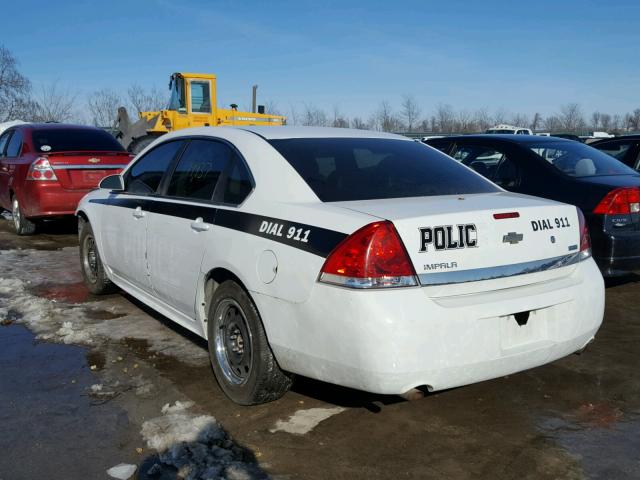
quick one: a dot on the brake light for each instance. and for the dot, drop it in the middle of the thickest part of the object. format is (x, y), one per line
(620, 201)
(372, 257)
(40, 170)
(585, 239)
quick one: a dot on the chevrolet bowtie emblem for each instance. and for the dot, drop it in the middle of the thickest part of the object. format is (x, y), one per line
(512, 238)
(94, 160)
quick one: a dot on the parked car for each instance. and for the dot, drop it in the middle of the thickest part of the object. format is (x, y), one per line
(625, 148)
(509, 130)
(607, 191)
(45, 169)
(358, 258)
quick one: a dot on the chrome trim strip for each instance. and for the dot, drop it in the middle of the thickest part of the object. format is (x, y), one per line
(490, 273)
(104, 166)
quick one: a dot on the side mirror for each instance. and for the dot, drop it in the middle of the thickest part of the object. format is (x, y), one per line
(112, 182)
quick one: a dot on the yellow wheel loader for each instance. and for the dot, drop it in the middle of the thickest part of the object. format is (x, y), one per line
(192, 104)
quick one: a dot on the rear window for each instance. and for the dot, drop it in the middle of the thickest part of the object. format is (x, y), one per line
(579, 160)
(74, 140)
(343, 169)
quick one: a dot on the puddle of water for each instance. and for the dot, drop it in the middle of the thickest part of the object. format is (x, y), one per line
(65, 292)
(604, 439)
(48, 421)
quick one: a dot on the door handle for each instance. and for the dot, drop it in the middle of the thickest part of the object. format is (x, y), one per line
(138, 213)
(199, 225)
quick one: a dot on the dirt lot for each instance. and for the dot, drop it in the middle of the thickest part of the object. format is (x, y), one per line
(88, 383)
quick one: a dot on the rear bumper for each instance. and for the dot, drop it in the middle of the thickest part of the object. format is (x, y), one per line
(49, 199)
(617, 254)
(389, 342)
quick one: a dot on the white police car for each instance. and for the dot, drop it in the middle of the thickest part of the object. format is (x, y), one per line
(354, 257)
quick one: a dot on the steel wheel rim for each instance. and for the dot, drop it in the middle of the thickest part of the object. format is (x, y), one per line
(233, 342)
(16, 213)
(90, 259)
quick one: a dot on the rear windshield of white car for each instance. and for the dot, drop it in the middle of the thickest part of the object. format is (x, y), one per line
(579, 160)
(343, 169)
(74, 140)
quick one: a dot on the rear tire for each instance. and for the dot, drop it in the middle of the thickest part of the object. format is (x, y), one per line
(21, 224)
(240, 354)
(93, 272)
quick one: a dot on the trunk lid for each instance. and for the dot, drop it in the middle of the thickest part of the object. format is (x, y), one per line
(462, 238)
(84, 170)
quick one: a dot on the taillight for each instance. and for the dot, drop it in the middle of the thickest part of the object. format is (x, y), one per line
(585, 239)
(620, 201)
(40, 170)
(372, 257)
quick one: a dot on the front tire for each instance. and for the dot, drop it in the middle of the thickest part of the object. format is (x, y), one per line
(21, 224)
(140, 143)
(240, 354)
(93, 271)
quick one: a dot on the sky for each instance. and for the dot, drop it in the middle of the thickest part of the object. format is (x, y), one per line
(518, 56)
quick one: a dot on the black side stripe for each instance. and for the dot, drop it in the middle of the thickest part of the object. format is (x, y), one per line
(316, 240)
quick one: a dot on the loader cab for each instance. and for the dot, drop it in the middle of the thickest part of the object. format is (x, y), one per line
(177, 101)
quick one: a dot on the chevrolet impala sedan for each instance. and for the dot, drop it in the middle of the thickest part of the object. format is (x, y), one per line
(354, 257)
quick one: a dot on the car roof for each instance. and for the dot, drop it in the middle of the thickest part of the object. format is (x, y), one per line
(621, 138)
(507, 138)
(277, 133)
(56, 126)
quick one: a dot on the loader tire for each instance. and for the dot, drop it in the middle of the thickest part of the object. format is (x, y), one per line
(140, 143)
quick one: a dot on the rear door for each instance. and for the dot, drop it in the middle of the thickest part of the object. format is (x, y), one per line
(125, 215)
(181, 222)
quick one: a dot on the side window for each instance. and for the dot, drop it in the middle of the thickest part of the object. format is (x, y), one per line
(442, 146)
(490, 163)
(145, 175)
(200, 97)
(4, 138)
(15, 144)
(615, 149)
(199, 169)
(238, 184)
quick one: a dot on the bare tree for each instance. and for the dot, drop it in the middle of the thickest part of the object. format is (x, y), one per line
(14, 89)
(571, 117)
(54, 104)
(149, 100)
(500, 116)
(357, 122)
(605, 121)
(536, 123)
(595, 120)
(314, 116)
(445, 118)
(464, 122)
(520, 119)
(385, 119)
(616, 123)
(553, 123)
(103, 107)
(294, 117)
(272, 107)
(339, 120)
(634, 123)
(410, 111)
(482, 119)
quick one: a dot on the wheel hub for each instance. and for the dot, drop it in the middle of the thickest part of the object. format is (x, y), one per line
(233, 342)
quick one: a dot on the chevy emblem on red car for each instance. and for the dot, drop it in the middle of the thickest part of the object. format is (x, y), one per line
(94, 160)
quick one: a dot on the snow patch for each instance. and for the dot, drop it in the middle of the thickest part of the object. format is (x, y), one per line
(303, 421)
(122, 471)
(197, 446)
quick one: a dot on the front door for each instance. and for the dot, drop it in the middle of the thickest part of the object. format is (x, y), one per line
(181, 224)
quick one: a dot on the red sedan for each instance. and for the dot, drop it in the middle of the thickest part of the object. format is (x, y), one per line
(45, 169)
